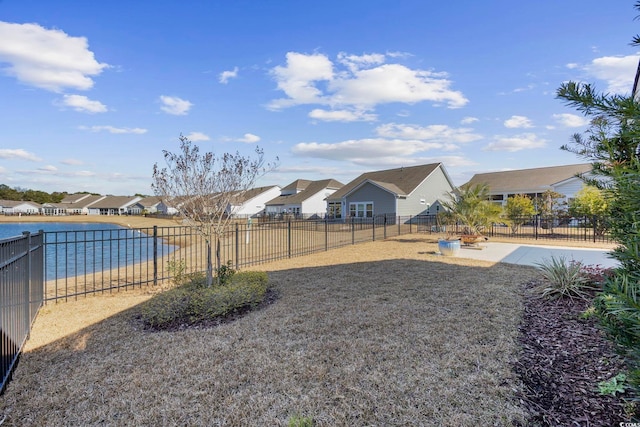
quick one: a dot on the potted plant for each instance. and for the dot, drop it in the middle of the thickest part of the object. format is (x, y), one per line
(471, 209)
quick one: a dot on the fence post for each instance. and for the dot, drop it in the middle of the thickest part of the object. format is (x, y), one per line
(595, 226)
(326, 234)
(353, 231)
(155, 255)
(535, 226)
(27, 284)
(385, 226)
(289, 238)
(237, 243)
(373, 227)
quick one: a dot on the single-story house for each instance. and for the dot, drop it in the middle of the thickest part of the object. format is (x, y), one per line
(565, 180)
(304, 197)
(74, 204)
(116, 205)
(19, 207)
(150, 204)
(252, 202)
(405, 191)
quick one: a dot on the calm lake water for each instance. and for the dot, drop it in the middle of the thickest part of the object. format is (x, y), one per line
(81, 248)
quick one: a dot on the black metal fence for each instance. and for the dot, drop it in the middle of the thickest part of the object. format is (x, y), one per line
(21, 295)
(83, 262)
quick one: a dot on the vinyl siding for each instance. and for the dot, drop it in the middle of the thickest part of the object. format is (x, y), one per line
(383, 201)
(434, 188)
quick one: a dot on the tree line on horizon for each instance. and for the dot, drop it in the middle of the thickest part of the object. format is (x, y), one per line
(37, 196)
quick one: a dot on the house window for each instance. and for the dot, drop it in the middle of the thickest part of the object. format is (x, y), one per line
(361, 210)
(335, 210)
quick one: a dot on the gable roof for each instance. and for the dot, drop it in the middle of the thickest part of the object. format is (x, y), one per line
(297, 185)
(312, 188)
(242, 196)
(401, 181)
(529, 179)
(75, 198)
(150, 201)
(14, 203)
(111, 202)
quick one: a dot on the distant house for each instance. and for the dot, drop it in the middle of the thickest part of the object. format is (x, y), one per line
(252, 202)
(18, 207)
(564, 180)
(74, 204)
(406, 191)
(303, 197)
(150, 204)
(116, 205)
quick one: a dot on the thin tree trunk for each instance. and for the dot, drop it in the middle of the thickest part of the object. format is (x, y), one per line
(218, 264)
(209, 265)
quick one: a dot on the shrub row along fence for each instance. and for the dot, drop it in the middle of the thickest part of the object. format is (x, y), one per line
(21, 295)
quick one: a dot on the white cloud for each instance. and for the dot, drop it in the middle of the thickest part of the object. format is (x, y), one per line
(174, 105)
(524, 141)
(48, 168)
(249, 138)
(18, 153)
(225, 76)
(468, 120)
(394, 83)
(112, 129)
(572, 65)
(297, 79)
(311, 79)
(360, 149)
(83, 104)
(442, 133)
(355, 62)
(198, 136)
(342, 116)
(48, 59)
(72, 162)
(571, 120)
(616, 71)
(518, 122)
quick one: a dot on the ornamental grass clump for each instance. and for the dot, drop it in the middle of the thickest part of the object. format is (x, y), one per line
(565, 279)
(195, 302)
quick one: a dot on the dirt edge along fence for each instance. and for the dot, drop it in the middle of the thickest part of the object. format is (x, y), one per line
(21, 295)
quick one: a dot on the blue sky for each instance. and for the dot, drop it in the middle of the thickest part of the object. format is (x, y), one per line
(92, 92)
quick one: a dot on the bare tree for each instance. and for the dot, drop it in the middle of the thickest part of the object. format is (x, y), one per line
(203, 188)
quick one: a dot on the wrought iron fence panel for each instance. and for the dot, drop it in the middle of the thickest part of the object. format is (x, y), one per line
(21, 287)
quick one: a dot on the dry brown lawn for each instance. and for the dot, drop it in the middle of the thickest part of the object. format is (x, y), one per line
(380, 333)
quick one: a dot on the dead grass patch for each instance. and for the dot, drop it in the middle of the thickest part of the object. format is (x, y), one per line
(381, 333)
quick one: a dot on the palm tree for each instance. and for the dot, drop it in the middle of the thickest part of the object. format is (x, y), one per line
(471, 207)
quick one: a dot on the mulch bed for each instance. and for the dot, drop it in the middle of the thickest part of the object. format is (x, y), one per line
(564, 357)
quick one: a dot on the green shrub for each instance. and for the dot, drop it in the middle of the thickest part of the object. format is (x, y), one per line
(194, 302)
(225, 272)
(179, 277)
(613, 385)
(565, 279)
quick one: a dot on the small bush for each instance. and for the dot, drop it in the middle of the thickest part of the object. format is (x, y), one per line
(565, 279)
(225, 272)
(194, 302)
(179, 277)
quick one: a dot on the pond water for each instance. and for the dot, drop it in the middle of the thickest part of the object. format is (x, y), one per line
(82, 248)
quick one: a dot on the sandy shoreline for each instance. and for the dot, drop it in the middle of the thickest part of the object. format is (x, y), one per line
(133, 221)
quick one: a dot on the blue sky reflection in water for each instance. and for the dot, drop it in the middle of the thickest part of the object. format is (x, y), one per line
(84, 248)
